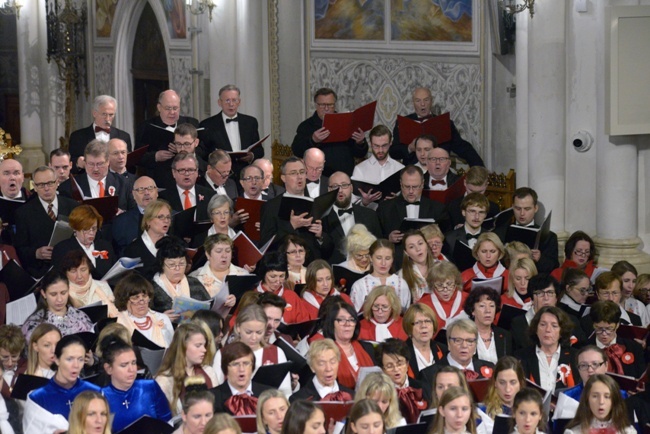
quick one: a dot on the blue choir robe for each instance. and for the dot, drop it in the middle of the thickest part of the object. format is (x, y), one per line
(49, 406)
(145, 397)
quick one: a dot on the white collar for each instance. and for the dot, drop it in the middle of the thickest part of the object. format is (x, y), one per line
(249, 389)
(325, 390)
(455, 364)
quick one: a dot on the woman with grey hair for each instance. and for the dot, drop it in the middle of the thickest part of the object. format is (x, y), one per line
(220, 210)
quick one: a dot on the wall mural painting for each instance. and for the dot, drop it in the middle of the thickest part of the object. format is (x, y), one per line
(175, 16)
(104, 13)
(359, 20)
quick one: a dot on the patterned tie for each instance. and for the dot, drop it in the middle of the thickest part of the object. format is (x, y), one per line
(187, 203)
(101, 189)
(50, 212)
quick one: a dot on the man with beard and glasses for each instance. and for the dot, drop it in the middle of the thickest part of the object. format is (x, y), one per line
(344, 215)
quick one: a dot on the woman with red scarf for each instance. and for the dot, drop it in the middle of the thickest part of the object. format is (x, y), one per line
(580, 251)
(272, 269)
(487, 251)
(381, 316)
(447, 299)
(319, 286)
(393, 356)
(341, 324)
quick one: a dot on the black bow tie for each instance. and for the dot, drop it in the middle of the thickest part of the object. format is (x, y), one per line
(470, 236)
(313, 182)
(229, 120)
(345, 211)
(417, 202)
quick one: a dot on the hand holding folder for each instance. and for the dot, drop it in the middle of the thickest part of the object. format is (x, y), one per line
(342, 125)
(437, 126)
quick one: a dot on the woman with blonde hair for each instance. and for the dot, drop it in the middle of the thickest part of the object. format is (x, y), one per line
(642, 289)
(416, 262)
(447, 298)
(381, 316)
(520, 272)
(516, 250)
(156, 221)
(421, 325)
(222, 423)
(89, 414)
(40, 353)
(435, 239)
(378, 387)
(357, 244)
(487, 251)
(272, 406)
(188, 355)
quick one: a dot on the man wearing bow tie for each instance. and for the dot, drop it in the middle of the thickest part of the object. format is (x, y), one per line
(158, 133)
(230, 130)
(344, 215)
(438, 176)
(474, 208)
(422, 103)
(316, 182)
(409, 203)
(103, 113)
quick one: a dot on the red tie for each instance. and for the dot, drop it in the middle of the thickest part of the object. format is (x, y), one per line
(103, 254)
(339, 396)
(50, 212)
(241, 405)
(101, 189)
(187, 203)
(614, 354)
(470, 375)
(106, 130)
(438, 182)
(411, 403)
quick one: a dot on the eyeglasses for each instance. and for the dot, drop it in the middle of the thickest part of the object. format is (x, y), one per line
(341, 186)
(185, 171)
(238, 365)
(360, 256)
(96, 165)
(297, 173)
(92, 230)
(549, 293)
(296, 252)
(45, 184)
(183, 145)
(143, 189)
(582, 252)
(346, 321)
(644, 290)
(411, 187)
(476, 212)
(140, 298)
(586, 366)
(220, 213)
(582, 291)
(437, 159)
(252, 178)
(171, 108)
(380, 308)
(325, 105)
(609, 293)
(107, 115)
(163, 217)
(460, 341)
(397, 365)
(231, 101)
(224, 174)
(315, 169)
(384, 146)
(604, 330)
(435, 245)
(176, 266)
(423, 322)
(446, 286)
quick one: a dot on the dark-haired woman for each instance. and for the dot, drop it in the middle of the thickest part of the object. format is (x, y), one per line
(54, 307)
(304, 417)
(129, 398)
(579, 251)
(482, 306)
(47, 408)
(319, 285)
(198, 407)
(170, 281)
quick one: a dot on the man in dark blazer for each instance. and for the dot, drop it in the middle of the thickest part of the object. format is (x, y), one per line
(438, 176)
(317, 183)
(270, 190)
(11, 188)
(230, 130)
(103, 113)
(117, 151)
(410, 203)
(339, 156)
(476, 181)
(186, 193)
(98, 181)
(126, 226)
(344, 215)
(218, 175)
(34, 225)
(158, 133)
(318, 242)
(474, 209)
(422, 103)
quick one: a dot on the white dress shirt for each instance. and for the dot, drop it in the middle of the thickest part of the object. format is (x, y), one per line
(371, 171)
(55, 205)
(94, 187)
(181, 194)
(232, 129)
(548, 371)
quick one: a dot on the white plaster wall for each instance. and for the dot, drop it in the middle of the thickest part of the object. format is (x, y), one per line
(502, 111)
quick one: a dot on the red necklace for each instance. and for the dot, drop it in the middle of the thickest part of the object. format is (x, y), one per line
(146, 325)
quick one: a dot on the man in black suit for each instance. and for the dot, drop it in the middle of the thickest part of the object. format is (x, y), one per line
(339, 156)
(98, 181)
(158, 133)
(230, 130)
(11, 188)
(61, 162)
(438, 176)
(35, 222)
(344, 215)
(117, 150)
(127, 225)
(317, 183)
(317, 241)
(103, 112)
(186, 193)
(422, 103)
(410, 203)
(218, 175)
(269, 189)
(251, 179)
(476, 181)
(474, 209)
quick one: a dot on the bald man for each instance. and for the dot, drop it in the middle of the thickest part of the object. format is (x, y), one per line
(158, 133)
(315, 163)
(117, 151)
(405, 152)
(269, 190)
(127, 225)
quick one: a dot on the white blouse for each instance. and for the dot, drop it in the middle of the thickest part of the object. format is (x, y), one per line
(363, 286)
